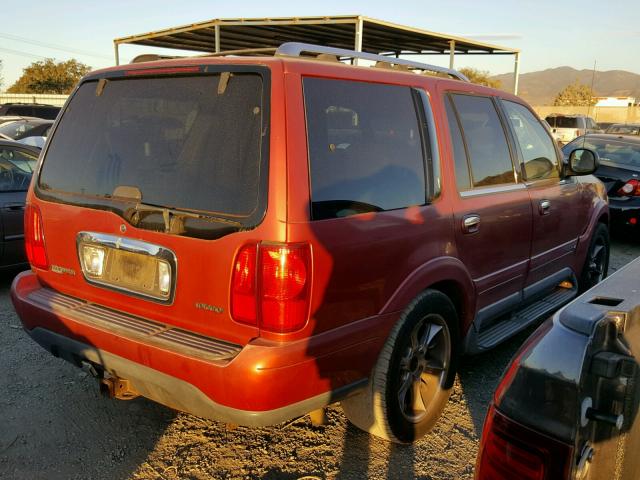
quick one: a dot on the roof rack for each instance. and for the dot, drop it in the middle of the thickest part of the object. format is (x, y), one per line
(295, 49)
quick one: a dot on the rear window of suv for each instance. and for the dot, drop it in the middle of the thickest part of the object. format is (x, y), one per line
(562, 122)
(191, 143)
(365, 147)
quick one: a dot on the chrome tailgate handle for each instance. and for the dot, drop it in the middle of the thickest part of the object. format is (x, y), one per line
(471, 223)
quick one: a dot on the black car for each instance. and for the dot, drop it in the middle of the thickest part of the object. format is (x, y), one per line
(620, 172)
(20, 129)
(567, 405)
(624, 128)
(48, 112)
(17, 162)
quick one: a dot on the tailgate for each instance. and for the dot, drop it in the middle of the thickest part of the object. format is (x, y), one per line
(200, 300)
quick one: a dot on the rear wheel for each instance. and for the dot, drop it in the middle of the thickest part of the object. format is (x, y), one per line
(412, 380)
(596, 264)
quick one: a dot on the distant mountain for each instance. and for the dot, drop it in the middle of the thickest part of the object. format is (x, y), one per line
(540, 88)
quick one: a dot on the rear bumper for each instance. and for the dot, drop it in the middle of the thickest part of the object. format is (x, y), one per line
(623, 212)
(262, 383)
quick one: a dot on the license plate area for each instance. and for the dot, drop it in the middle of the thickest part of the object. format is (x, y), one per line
(131, 266)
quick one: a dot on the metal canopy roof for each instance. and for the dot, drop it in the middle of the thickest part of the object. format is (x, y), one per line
(353, 32)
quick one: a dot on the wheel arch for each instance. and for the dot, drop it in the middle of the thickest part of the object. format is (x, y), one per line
(604, 218)
(447, 275)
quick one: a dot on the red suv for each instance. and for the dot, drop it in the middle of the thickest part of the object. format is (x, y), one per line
(253, 238)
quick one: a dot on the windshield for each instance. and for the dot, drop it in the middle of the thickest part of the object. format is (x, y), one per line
(191, 143)
(613, 150)
(624, 129)
(16, 129)
(22, 159)
(562, 122)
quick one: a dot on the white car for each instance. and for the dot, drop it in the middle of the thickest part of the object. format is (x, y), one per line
(565, 128)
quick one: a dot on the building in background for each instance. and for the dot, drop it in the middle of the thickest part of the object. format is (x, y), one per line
(615, 101)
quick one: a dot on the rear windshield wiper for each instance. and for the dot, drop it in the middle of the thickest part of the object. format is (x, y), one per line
(173, 218)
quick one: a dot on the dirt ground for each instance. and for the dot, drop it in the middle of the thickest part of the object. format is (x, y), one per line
(54, 424)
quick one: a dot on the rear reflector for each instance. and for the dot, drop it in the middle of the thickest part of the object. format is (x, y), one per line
(509, 450)
(270, 287)
(34, 237)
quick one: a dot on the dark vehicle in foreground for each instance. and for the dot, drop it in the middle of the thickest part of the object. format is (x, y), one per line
(38, 110)
(624, 129)
(567, 127)
(619, 170)
(25, 128)
(567, 407)
(252, 238)
(17, 163)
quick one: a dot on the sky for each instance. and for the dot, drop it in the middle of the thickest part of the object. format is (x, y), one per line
(549, 33)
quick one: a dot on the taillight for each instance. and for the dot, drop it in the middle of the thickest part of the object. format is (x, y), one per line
(631, 188)
(579, 132)
(270, 287)
(509, 450)
(34, 237)
(243, 286)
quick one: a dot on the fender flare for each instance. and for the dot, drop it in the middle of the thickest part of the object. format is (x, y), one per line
(438, 270)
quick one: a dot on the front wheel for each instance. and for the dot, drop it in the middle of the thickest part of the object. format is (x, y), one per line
(413, 377)
(596, 264)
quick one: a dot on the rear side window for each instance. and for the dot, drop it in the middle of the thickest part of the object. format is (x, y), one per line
(557, 121)
(463, 178)
(536, 146)
(365, 148)
(485, 139)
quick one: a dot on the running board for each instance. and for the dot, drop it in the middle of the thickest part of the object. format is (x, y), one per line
(511, 324)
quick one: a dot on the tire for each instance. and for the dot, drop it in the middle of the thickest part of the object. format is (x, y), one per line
(418, 362)
(596, 265)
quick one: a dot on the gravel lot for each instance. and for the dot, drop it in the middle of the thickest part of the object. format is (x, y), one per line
(54, 424)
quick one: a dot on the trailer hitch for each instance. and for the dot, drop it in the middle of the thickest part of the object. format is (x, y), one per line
(119, 388)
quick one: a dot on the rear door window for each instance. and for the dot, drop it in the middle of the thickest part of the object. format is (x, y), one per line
(562, 122)
(484, 136)
(536, 146)
(365, 147)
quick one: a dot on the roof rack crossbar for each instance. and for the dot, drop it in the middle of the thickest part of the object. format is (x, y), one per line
(296, 49)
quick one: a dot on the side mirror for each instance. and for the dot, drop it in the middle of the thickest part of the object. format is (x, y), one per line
(582, 161)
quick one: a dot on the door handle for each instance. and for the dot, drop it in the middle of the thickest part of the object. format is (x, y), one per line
(544, 207)
(471, 223)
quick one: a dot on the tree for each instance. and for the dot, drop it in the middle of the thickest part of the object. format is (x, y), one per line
(575, 94)
(49, 76)
(481, 77)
